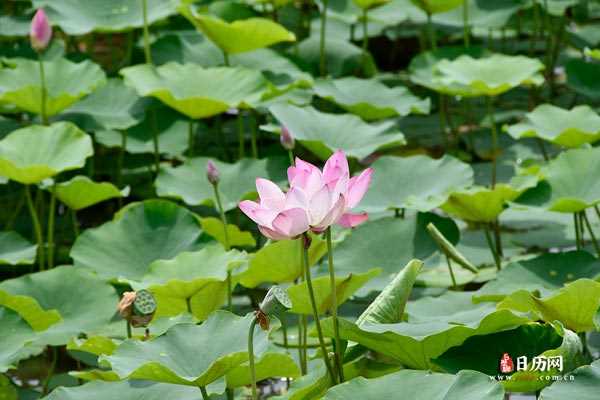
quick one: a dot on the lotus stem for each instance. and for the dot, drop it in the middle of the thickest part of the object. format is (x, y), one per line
(488, 239)
(254, 134)
(490, 109)
(129, 335)
(251, 357)
(205, 395)
(431, 31)
(240, 126)
(497, 238)
(226, 244)
(577, 232)
(44, 93)
(17, 210)
(51, 218)
(226, 59)
(592, 235)
(334, 306)
(155, 142)
(301, 347)
(322, 54)
(36, 227)
(454, 285)
(313, 303)
(75, 223)
(147, 53)
(365, 41)
(191, 137)
(466, 27)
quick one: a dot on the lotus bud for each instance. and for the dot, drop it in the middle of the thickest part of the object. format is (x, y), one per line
(212, 173)
(276, 302)
(286, 139)
(41, 31)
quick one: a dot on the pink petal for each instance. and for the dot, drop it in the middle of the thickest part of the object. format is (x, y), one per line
(271, 234)
(357, 187)
(333, 215)
(270, 194)
(256, 213)
(296, 198)
(335, 168)
(319, 205)
(305, 176)
(349, 220)
(291, 223)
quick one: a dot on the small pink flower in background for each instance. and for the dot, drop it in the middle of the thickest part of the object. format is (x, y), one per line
(286, 139)
(212, 173)
(41, 31)
(316, 199)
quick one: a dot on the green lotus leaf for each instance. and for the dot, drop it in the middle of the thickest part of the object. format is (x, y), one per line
(531, 340)
(97, 345)
(371, 99)
(573, 188)
(482, 15)
(20, 83)
(16, 250)
(420, 385)
(214, 227)
(29, 309)
(188, 182)
(56, 289)
(81, 192)
(271, 364)
(76, 18)
(581, 77)
(14, 26)
(17, 339)
(489, 76)
(219, 337)
(346, 286)
(126, 390)
(437, 6)
(279, 262)
(139, 235)
(241, 35)
(558, 7)
(419, 182)
(543, 274)
(192, 281)
(568, 128)
(575, 305)
(584, 385)
(112, 106)
(435, 273)
(388, 306)
(375, 245)
(592, 53)
(367, 4)
(434, 325)
(196, 91)
(30, 155)
(324, 133)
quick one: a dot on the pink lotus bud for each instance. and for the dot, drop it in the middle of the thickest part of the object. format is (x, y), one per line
(212, 173)
(286, 138)
(41, 31)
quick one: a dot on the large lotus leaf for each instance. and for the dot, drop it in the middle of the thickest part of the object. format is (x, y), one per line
(371, 99)
(434, 325)
(235, 237)
(126, 390)
(16, 250)
(435, 273)
(543, 274)
(32, 154)
(56, 289)
(324, 133)
(271, 364)
(569, 128)
(144, 232)
(97, 345)
(420, 385)
(388, 306)
(346, 286)
(581, 77)
(113, 106)
(482, 14)
(237, 181)
(29, 309)
(375, 245)
(66, 82)
(489, 76)
(531, 340)
(419, 182)
(584, 385)
(198, 278)
(77, 18)
(437, 6)
(17, 338)
(241, 35)
(204, 353)
(81, 192)
(196, 91)
(573, 187)
(575, 305)
(280, 261)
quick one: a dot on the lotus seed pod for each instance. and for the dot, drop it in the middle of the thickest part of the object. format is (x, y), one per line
(144, 303)
(276, 302)
(286, 139)
(212, 173)
(41, 31)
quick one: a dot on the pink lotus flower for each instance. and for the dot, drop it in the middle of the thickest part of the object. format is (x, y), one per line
(41, 31)
(316, 199)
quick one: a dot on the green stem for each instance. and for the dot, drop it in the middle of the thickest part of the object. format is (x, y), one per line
(592, 235)
(37, 228)
(204, 393)
(488, 239)
(254, 133)
(291, 157)
(191, 137)
(128, 329)
(334, 306)
(17, 210)
(365, 41)
(322, 55)
(466, 28)
(301, 323)
(251, 358)
(226, 244)
(155, 141)
(75, 222)
(147, 53)
(226, 59)
(44, 92)
(431, 31)
(451, 272)
(490, 110)
(577, 237)
(315, 311)
(50, 233)
(240, 126)
(497, 238)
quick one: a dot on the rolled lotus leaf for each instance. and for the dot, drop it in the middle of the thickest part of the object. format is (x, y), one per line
(276, 302)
